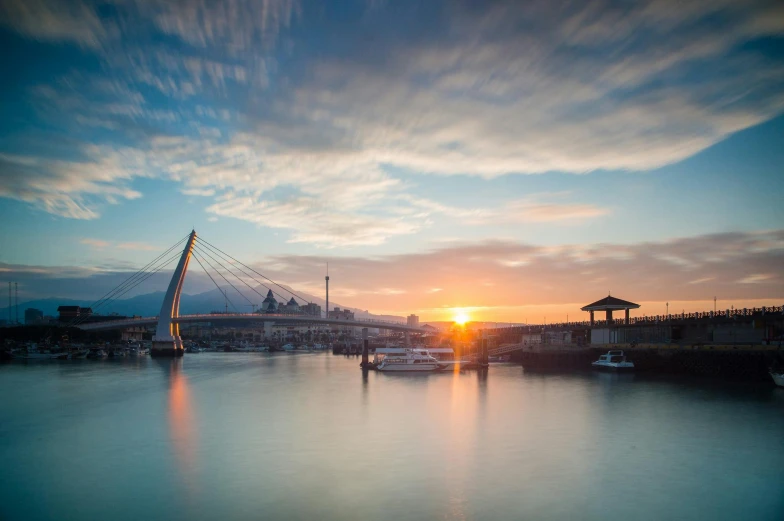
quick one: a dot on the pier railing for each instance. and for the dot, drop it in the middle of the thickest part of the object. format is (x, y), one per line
(719, 315)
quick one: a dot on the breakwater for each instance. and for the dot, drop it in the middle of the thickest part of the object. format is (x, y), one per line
(722, 361)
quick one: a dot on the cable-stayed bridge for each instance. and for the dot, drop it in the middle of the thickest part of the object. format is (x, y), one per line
(167, 340)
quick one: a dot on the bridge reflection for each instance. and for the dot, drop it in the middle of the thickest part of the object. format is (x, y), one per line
(182, 428)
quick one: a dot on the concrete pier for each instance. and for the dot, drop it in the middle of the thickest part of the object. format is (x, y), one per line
(733, 362)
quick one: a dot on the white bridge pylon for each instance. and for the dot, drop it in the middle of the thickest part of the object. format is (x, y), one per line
(167, 341)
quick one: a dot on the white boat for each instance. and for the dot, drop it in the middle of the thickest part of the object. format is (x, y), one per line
(414, 360)
(778, 378)
(614, 360)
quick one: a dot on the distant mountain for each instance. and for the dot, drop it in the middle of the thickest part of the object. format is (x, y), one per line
(149, 304)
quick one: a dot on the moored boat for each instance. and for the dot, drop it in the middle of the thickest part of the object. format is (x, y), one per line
(34, 355)
(613, 360)
(414, 360)
(778, 378)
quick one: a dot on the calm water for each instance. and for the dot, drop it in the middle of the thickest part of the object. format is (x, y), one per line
(234, 436)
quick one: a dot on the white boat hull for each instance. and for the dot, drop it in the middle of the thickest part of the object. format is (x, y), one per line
(778, 378)
(409, 368)
(614, 366)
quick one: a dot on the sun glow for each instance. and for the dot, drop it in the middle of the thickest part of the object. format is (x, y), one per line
(461, 318)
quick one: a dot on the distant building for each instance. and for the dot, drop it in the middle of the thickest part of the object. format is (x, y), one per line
(531, 338)
(339, 314)
(311, 309)
(33, 316)
(269, 304)
(133, 333)
(67, 313)
(412, 320)
(290, 308)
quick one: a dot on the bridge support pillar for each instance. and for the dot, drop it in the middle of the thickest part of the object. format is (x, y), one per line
(484, 359)
(165, 349)
(408, 339)
(365, 351)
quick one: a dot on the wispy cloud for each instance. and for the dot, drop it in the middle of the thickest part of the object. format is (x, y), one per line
(757, 278)
(99, 244)
(310, 144)
(95, 243)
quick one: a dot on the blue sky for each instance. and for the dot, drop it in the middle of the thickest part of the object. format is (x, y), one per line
(382, 130)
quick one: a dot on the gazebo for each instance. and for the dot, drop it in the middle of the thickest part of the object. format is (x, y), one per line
(609, 304)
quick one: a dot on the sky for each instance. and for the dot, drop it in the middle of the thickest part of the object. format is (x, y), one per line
(507, 158)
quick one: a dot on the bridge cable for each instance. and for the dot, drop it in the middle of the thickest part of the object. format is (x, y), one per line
(254, 279)
(224, 278)
(213, 281)
(254, 271)
(132, 281)
(79, 320)
(206, 252)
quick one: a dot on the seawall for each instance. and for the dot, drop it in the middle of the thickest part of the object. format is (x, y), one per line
(749, 362)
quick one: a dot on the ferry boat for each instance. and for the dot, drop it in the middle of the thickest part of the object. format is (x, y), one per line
(414, 360)
(614, 360)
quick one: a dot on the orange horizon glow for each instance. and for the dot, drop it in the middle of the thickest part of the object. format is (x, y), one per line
(556, 313)
(460, 318)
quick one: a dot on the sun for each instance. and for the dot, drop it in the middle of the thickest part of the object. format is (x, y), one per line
(461, 318)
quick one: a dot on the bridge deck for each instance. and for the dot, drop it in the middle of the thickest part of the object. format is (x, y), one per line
(255, 317)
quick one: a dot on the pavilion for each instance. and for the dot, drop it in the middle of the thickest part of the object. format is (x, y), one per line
(609, 304)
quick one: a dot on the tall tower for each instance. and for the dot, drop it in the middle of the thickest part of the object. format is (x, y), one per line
(326, 313)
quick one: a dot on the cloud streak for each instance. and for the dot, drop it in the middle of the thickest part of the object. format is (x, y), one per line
(309, 134)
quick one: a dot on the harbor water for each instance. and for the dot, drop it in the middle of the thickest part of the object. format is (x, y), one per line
(309, 436)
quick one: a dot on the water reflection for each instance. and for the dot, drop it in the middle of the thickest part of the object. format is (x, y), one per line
(182, 432)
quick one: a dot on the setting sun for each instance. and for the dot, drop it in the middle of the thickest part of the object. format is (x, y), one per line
(461, 318)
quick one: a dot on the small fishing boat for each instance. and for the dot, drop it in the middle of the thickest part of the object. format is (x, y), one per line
(613, 360)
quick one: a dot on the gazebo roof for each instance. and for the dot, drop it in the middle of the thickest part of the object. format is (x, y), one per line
(610, 302)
